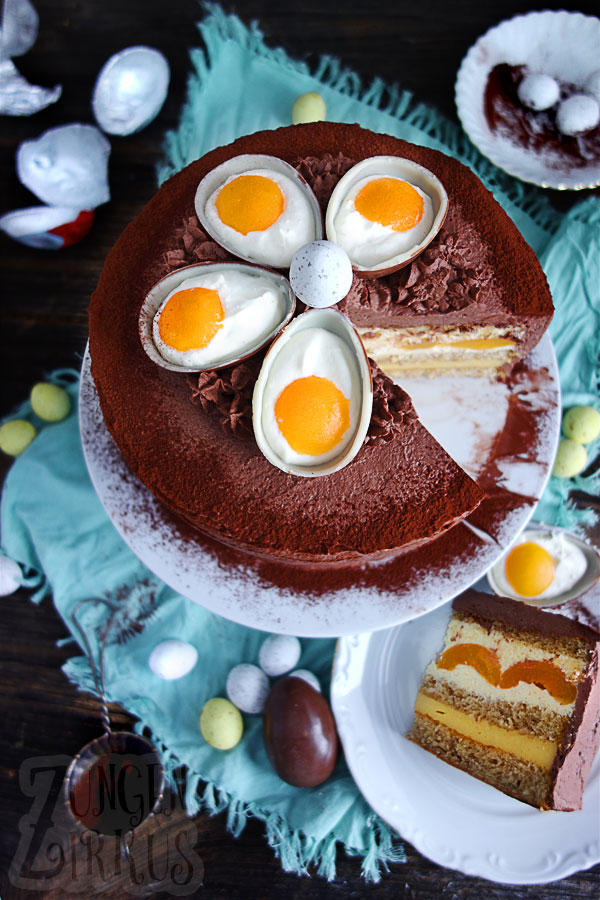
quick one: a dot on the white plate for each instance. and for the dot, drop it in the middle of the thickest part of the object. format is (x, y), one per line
(561, 44)
(466, 415)
(449, 816)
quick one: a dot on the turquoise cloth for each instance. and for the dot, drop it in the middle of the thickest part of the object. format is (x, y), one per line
(54, 525)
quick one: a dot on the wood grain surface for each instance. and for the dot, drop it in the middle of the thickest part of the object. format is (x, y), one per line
(43, 301)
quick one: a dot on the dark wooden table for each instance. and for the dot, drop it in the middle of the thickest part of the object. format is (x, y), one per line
(43, 301)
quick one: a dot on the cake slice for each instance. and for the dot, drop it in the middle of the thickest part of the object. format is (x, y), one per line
(514, 699)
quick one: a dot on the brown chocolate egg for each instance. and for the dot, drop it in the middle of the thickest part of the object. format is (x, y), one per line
(299, 733)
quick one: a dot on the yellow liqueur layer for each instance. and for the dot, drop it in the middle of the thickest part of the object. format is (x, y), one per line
(537, 750)
(471, 344)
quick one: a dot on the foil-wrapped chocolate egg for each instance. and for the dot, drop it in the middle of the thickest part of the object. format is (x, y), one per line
(299, 733)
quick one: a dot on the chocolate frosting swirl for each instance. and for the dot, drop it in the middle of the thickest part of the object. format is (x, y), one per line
(192, 245)
(444, 278)
(227, 394)
(391, 409)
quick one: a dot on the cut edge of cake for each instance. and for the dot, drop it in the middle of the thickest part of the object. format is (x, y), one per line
(513, 698)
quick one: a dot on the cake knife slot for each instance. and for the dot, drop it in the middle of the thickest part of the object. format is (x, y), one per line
(481, 534)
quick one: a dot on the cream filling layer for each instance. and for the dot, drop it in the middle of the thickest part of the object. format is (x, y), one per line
(537, 750)
(402, 365)
(509, 652)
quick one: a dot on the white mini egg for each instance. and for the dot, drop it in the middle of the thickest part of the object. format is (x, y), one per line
(577, 114)
(307, 676)
(279, 654)
(173, 659)
(10, 575)
(248, 688)
(259, 208)
(538, 91)
(321, 274)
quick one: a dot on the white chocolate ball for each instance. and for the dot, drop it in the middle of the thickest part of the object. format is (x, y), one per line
(571, 459)
(173, 659)
(248, 688)
(577, 114)
(308, 107)
(307, 676)
(279, 654)
(592, 85)
(10, 575)
(581, 424)
(321, 274)
(538, 91)
(221, 724)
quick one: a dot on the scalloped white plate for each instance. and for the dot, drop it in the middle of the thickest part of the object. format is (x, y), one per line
(450, 817)
(562, 44)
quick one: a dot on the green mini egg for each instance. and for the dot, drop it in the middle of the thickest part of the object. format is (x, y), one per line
(308, 108)
(50, 402)
(15, 436)
(581, 423)
(221, 723)
(571, 458)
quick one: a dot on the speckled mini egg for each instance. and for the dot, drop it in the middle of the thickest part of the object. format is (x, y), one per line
(581, 424)
(15, 436)
(173, 659)
(321, 274)
(10, 575)
(571, 459)
(221, 724)
(308, 677)
(50, 402)
(248, 688)
(279, 654)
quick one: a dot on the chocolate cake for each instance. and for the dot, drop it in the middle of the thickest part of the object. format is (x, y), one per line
(514, 699)
(189, 438)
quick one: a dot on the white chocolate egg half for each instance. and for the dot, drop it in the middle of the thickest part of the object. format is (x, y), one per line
(384, 212)
(210, 316)
(259, 208)
(313, 398)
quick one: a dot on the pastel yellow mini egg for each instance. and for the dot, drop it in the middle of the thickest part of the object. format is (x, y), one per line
(15, 436)
(50, 402)
(571, 459)
(221, 724)
(308, 107)
(582, 424)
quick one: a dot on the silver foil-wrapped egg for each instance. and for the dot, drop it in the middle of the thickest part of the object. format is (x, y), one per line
(130, 90)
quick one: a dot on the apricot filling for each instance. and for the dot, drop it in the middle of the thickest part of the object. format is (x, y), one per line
(542, 673)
